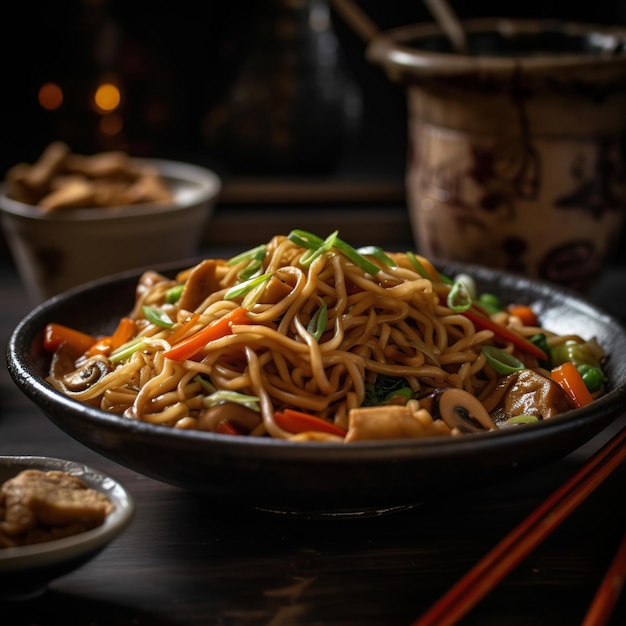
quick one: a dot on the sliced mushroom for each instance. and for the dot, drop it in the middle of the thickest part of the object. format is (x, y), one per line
(460, 409)
(86, 375)
(527, 392)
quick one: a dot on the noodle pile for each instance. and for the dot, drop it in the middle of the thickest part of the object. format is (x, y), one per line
(320, 329)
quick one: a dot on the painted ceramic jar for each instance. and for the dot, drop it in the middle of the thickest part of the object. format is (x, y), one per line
(516, 150)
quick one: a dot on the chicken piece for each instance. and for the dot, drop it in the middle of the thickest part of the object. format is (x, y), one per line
(201, 282)
(50, 504)
(392, 422)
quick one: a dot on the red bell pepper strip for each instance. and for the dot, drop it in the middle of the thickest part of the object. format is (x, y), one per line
(299, 422)
(483, 322)
(569, 379)
(227, 428)
(191, 345)
(56, 334)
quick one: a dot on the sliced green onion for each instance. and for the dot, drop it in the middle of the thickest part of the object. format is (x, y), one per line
(224, 395)
(126, 350)
(459, 298)
(490, 302)
(470, 283)
(520, 419)
(501, 361)
(254, 254)
(313, 253)
(423, 272)
(173, 294)
(157, 317)
(317, 324)
(305, 239)
(243, 288)
(250, 270)
(358, 259)
(377, 253)
(592, 376)
(205, 383)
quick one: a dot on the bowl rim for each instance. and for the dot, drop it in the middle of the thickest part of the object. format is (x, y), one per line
(392, 48)
(66, 548)
(21, 370)
(207, 186)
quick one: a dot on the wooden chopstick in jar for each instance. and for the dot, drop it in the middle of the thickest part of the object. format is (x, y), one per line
(520, 542)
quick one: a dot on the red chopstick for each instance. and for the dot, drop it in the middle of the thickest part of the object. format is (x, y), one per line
(511, 550)
(609, 590)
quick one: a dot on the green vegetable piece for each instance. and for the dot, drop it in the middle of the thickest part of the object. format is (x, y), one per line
(243, 288)
(501, 361)
(305, 239)
(577, 353)
(127, 350)
(490, 302)
(358, 259)
(592, 376)
(157, 317)
(421, 270)
(541, 341)
(317, 324)
(313, 253)
(223, 395)
(254, 254)
(378, 253)
(521, 419)
(459, 298)
(173, 294)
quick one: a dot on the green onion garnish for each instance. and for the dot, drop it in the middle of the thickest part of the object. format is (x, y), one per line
(358, 259)
(421, 270)
(377, 253)
(459, 298)
(313, 253)
(258, 253)
(157, 317)
(127, 350)
(520, 419)
(173, 294)
(318, 322)
(501, 361)
(241, 289)
(223, 395)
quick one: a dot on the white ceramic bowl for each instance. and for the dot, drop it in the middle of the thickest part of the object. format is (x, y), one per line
(26, 571)
(70, 247)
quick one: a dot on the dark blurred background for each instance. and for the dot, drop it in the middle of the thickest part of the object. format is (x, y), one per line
(211, 82)
(178, 64)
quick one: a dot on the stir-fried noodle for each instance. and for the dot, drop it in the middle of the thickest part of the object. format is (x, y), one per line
(312, 331)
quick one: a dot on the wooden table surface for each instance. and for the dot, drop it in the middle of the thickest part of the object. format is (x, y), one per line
(188, 560)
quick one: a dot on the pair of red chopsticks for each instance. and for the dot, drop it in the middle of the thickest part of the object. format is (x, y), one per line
(507, 554)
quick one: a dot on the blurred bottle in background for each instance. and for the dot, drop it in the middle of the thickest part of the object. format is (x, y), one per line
(292, 106)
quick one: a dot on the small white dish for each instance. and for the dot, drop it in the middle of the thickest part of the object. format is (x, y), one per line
(26, 571)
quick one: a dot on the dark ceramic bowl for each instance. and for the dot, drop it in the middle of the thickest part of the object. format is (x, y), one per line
(26, 571)
(316, 478)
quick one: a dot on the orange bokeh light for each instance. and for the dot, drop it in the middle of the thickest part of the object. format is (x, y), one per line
(107, 97)
(50, 96)
(111, 124)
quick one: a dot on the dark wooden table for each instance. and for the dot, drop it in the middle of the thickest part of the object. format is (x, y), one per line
(190, 561)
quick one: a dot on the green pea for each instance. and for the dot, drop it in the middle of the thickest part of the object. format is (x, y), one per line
(490, 302)
(592, 376)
